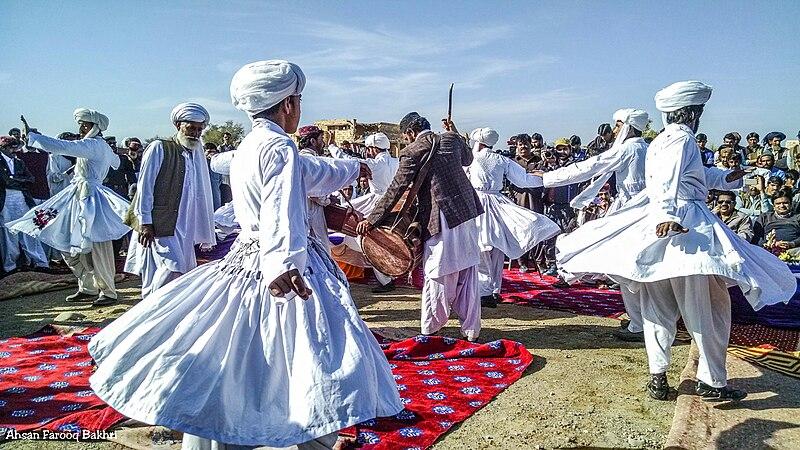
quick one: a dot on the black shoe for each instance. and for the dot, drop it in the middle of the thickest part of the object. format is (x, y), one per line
(723, 394)
(80, 297)
(102, 300)
(383, 288)
(628, 336)
(657, 387)
(488, 301)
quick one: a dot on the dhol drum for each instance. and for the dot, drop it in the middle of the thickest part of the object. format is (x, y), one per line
(342, 218)
(394, 251)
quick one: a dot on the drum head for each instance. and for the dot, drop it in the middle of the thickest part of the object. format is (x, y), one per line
(387, 251)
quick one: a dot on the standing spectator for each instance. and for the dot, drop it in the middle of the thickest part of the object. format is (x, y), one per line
(772, 142)
(60, 168)
(724, 152)
(121, 178)
(736, 221)
(214, 177)
(753, 148)
(225, 185)
(15, 201)
(530, 198)
(557, 206)
(36, 163)
(732, 140)
(706, 153)
(537, 146)
(134, 146)
(578, 152)
(603, 141)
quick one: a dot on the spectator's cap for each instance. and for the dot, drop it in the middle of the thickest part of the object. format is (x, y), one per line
(561, 141)
(736, 136)
(537, 137)
(309, 130)
(132, 139)
(14, 131)
(767, 152)
(773, 135)
(575, 140)
(702, 137)
(753, 134)
(189, 112)
(604, 128)
(111, 140)
(8, 142)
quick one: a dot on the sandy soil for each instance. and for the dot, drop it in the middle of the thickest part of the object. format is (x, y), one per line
(584, 389)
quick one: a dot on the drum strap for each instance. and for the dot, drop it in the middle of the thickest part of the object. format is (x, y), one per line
(419, 179)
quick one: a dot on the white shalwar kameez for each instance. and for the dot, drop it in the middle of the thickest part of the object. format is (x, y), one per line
(626, 161)
(316, 208)
(683, 274)
(88, 215)
(504, 229)
(450, 262)
(215, 355)
(169, 257)
(383, 167)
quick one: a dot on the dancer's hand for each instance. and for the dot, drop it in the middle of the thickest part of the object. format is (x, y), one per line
(664, 228)
(288, 282)
(363, 227)
(147, 235)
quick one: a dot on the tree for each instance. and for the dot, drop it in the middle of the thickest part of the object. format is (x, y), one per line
(215, 131)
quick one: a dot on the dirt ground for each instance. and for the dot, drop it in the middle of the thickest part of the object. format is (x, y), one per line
(584, 389)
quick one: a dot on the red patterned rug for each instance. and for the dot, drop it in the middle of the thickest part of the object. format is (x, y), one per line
(44, 381)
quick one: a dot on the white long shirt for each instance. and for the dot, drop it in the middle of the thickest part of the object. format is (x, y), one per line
(626, 161)
(271, 183)
(383, 167)
(57, 179)
(488, 169)
(675, 174)
(95, 157)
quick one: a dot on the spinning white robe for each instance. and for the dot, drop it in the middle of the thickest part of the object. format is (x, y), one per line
(170, 256)
(214, 354)
(316, 213)
(626, 161)
(682, 273)
(88, 215)
(504, 228)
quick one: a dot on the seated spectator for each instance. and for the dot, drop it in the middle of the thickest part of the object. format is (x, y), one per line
(782, 221)
(765, 166)
(753, 148)
(706, 153)
(753, 199)
(721, 158)
(741, 224)
(790, 180)
(362, 187)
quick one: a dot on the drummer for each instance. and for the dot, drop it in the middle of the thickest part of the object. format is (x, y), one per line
(384, 167)
(447, 208)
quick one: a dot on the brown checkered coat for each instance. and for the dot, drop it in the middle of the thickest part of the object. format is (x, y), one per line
(447, 188)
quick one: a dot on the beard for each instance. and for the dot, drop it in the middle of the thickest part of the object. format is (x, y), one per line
(190, 142)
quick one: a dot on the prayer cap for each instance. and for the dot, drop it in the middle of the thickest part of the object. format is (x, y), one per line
(189, 112)
(379, 140)
(8, 141)
(561, 141)
(91, 116)
(485, 136)
(260, 85)
(637, 118)
(309, 130)
(681, 94)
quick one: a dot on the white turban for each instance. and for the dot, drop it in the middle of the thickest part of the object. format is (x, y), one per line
(621, 114)
(261, 85)
(485, 136)
(681, 94)
(379, 140)
(189, 112)
(637, 118)
(100, 121)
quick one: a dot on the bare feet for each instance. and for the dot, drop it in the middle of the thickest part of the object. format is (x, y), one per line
(345, 443)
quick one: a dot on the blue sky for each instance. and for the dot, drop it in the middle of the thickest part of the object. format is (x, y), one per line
(554, 67)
